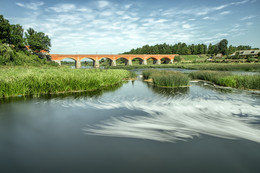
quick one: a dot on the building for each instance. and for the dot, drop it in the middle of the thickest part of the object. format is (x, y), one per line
(246, 52)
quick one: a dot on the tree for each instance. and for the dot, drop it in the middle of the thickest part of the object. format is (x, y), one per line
(5, 30)
(16, 36)
(222, 47)
(37, 40)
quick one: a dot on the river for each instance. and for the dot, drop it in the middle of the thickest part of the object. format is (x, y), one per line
(132, 128)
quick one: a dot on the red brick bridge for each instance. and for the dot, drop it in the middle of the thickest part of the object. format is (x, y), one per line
(96, 58)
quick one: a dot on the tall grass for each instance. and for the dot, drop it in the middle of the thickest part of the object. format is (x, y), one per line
(222, 66)
(166, 78)
(32, 81)
(228, 79)
(199, 66)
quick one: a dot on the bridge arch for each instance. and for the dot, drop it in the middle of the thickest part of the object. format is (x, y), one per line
(166, 60)
(87, 61)
(141, 60)
(122, 60)
(152, 60)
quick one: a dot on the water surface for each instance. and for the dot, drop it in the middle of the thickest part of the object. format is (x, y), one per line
(133, 128)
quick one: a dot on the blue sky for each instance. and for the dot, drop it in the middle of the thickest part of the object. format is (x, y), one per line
(106, 27)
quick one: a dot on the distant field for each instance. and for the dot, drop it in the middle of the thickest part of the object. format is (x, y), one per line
(191, 58)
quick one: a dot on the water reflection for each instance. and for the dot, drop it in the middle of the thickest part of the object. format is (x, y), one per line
(169, 92)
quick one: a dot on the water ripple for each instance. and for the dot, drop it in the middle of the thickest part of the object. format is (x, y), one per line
(170, 120)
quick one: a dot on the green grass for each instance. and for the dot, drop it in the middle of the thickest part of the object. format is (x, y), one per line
(221, 66)
(193, 58)
(33, 81)
(167, 78)
(199, 66)
(228, 79)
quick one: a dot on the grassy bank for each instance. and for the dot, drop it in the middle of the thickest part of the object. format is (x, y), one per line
(229, 80)
(221, 66)
(166, 78)
(199, 66)
(33, 81)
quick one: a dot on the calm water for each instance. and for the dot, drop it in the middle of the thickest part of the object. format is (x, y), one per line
(132, 128)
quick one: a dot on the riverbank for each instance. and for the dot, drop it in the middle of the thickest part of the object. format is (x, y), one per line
(20, 81)
(254, 67)
(227, 79)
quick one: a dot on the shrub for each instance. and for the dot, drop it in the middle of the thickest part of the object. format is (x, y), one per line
(167, 78)
(177, 58)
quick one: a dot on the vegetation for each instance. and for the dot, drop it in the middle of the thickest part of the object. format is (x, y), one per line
(16, 81)
(221, 66)
(229, 80)
(11, 57)
(13, 44)
(166, 78)
(198, 66)
(184, 49)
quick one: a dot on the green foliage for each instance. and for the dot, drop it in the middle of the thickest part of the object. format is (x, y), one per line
(166, 78)
(37, 40)
(5, 30)
(228, 79)
(11, 57)
(33, 81)
(17, 36)
(12, 44)
(6, 54)
(177, 58)
(221, 47)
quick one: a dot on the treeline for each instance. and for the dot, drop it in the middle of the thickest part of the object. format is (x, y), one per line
(194, 49)
(15, 43)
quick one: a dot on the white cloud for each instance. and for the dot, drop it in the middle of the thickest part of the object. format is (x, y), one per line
(186, 26)
(248, 17)
(31, 5)
(102, 4)
(128, 6)
(225, 12)
(63, 8)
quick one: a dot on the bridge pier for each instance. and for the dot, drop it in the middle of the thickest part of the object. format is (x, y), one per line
(113, 63)
(158, 62)
(171, 62)
(77, 64)
(96, 64)
(144, 62)
(129, 62)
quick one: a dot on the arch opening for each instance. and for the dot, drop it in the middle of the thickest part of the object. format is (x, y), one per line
(87, 62)
(137, 60)
(165, 60)
(122, 61)
(67, 61)
(151, 60)
(105, 61)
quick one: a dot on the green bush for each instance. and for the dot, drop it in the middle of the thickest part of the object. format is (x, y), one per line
(177, 59)
(167, 78)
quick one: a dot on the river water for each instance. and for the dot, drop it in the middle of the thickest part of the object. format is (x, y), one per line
(133, 127)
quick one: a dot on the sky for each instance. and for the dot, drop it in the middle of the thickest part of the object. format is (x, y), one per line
(117, 26)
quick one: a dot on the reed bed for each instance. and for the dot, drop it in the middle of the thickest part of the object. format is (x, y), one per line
(229, 80)
(199, 66)
(16, 81)
(166, 78)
